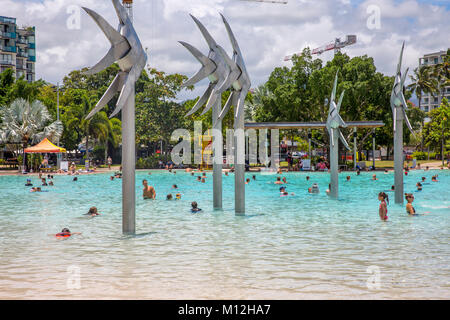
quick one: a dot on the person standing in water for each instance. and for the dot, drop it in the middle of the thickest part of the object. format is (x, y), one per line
(383, 206)
(148, 191)
(409, 208)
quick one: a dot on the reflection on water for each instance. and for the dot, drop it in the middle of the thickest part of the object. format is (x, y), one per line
(298, 246)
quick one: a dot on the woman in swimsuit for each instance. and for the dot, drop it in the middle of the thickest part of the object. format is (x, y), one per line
(383, 206)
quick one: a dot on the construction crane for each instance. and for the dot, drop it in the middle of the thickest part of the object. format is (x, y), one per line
(128, 4)
(336, 45)
(269, 1)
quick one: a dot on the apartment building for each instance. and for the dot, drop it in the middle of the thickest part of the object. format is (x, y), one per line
(430, 102)
(17, 49)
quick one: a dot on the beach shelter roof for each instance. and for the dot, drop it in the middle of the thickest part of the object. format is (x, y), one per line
(45, 146)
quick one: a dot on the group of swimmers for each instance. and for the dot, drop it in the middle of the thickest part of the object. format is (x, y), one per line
(409, 197)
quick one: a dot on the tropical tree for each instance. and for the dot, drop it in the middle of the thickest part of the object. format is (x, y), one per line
(437, 131)
(441, 72)
(93, 128)
(423, 82)
(24, 123)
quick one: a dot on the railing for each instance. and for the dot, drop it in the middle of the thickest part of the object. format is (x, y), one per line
(22, 54)
(8, 20)
(22, 41)
(7, 62)
(21, 66)
(9, 49)
(11, 35)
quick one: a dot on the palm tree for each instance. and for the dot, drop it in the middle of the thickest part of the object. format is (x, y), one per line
(112, 136)
(441, 72)
(24, 123)
(94, 128)
(423, 82)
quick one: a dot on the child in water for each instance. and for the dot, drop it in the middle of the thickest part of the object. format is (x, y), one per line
(92, 212)
(409, 208)
(65, 233)
(383, 206)
(169, 196)
(195, 207)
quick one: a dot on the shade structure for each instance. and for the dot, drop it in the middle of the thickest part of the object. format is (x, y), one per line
(45, 146)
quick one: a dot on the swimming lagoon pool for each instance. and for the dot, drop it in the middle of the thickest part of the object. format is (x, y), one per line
(303, 246)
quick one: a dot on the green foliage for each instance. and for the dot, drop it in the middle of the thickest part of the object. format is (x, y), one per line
(437, 131)
(152, 162)
(420, 155)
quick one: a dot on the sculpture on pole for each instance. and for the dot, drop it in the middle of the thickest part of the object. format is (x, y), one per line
(127, 51)
(399, 106)
(334, 122)
(224, 73)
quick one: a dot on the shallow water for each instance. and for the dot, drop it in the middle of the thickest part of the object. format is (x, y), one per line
(297, 247)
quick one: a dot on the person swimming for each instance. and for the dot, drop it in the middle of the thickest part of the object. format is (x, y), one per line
(307, 178)
(383, 206)
(28, 184)
(247, 181)
(44, 182)
(92, 212)
(65, 233)
(174, 186)
(434, 178)
(36, 189)
(374, 177)
(314, 188)
(75, 179)
(419, 186)
(195, 207)
(409, 208)
(348, 178)
(254, 177)
(169, 197)
(278, 181)
(178, 196)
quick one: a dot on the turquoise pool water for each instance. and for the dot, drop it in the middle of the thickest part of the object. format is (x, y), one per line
(301, 246)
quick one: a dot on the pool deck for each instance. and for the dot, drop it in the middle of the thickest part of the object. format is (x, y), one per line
(432, 166)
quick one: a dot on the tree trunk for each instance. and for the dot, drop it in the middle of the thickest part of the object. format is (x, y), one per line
(106, 152)
(86, 164)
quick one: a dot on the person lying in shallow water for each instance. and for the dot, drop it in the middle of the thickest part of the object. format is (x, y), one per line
(65, 233)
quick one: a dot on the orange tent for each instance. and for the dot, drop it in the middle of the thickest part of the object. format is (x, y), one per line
(45, 146)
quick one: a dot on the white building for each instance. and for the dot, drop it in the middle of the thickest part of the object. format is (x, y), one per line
(430, 102)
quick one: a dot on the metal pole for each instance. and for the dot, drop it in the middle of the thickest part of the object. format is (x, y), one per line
(128, 166)
(239, 166)
(355, 149)
(217, 155)
(373, 149)
(398, 156)
(309, 145)
(334, 192)
(58, 155)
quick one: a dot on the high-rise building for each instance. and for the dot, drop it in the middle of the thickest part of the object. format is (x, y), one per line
(429, 101)
(17, 49)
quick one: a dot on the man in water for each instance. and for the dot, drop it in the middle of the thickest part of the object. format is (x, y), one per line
(148, 192)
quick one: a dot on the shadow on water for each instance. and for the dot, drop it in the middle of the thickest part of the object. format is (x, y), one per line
(138, 235)
(250, 216)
